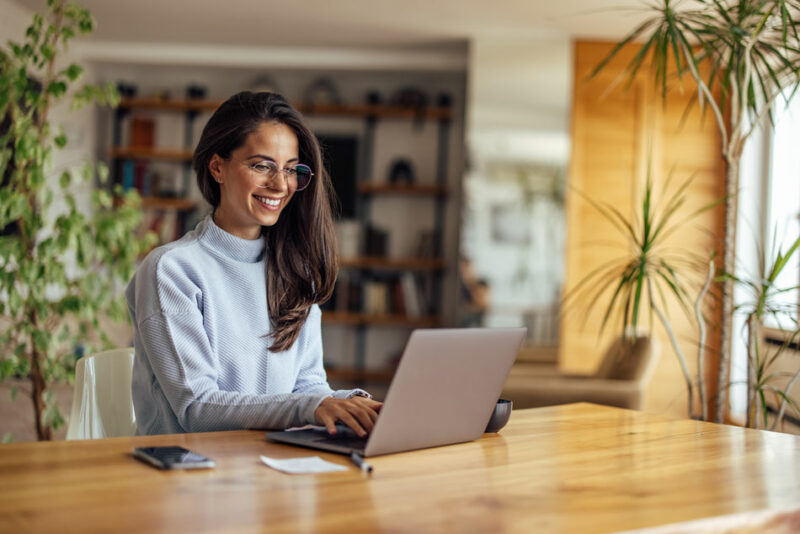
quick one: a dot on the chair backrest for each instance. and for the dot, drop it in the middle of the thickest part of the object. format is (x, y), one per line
(102, 405)
(631, 358)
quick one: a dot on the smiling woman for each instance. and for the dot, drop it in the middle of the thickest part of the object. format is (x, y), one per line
(226, 320)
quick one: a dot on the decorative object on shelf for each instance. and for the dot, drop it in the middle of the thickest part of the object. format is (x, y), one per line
(401, 172)
(322, 91)
(161, 94)
(195, 91)
(348, 236)
(374, 98)
(376, 241)
(416, 99)
(264, 84)
(126, 89)
(409, 97)
(426, 244)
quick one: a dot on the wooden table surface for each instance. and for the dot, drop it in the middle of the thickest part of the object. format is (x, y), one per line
(575, 468)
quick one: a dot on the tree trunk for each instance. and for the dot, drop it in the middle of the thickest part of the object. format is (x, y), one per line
(728, 265)
(43, 432)
(752, 363)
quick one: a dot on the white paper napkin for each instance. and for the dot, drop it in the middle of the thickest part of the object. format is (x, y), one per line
(312, 464)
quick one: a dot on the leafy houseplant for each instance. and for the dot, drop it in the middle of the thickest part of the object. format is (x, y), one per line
(762, 380)
(650, 274)
(743, 55)
(62, 269)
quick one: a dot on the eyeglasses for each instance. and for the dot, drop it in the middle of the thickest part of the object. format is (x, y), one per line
(297, 177)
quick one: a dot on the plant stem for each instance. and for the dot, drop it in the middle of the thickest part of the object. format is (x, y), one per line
(752, 365)
(728, 266)
(43, 432)
(786, 393)
(701, 324)
(681, 359)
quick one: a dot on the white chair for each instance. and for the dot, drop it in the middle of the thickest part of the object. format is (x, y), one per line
(102, 406)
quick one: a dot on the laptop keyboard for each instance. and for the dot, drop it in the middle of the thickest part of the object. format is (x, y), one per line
(350, 442)
(344, 437)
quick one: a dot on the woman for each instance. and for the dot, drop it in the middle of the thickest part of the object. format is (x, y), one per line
(226, 321)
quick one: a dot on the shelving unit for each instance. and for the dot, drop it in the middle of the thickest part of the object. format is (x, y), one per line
(170, 212)
(365, 267)
(431, 269)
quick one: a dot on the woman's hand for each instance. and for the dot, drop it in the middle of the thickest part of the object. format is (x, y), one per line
(359, 413)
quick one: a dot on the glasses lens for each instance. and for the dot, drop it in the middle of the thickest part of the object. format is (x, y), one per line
(304, 174)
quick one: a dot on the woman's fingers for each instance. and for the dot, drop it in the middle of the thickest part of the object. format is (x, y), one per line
(358, 413)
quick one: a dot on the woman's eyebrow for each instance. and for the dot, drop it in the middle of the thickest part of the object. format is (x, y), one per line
(269, 158)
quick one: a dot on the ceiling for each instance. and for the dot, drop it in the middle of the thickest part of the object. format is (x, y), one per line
(354, 23)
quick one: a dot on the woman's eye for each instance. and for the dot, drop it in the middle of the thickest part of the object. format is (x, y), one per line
(261, 168)
(291, 171)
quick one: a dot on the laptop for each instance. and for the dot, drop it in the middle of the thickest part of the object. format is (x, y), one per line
(443, 392)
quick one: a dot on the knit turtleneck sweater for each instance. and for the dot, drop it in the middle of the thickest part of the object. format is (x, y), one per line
(201, 337)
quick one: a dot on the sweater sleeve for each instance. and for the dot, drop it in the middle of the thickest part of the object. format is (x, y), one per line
(312, 378)
(185, 366)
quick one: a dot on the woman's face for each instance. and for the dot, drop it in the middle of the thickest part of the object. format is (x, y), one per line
(244, 206)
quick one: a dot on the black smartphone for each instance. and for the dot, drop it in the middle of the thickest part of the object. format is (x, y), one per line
(173, 458)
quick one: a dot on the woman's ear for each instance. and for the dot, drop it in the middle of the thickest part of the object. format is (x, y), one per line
(215, 167)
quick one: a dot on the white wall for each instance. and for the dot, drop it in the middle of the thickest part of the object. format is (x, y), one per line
(14, 20)
(517, 114)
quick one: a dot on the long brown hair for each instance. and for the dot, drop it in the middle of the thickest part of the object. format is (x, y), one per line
(302, 262)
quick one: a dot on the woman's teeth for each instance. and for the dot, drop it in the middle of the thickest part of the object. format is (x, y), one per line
(269, 201)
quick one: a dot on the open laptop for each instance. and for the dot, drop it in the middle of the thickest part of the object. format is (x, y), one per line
(444, 391)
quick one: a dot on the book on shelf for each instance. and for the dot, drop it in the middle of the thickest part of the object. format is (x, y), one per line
(143, 131)
(164, 224)
(411, 296)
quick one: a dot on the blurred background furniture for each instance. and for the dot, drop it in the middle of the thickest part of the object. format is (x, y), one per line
(102, 405)
(620, 380)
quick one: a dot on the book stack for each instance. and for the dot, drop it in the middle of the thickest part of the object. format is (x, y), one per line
(401, 295)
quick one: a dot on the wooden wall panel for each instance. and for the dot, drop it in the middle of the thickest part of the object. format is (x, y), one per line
(616, 130)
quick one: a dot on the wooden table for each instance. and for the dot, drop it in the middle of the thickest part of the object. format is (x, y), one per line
(575, 468)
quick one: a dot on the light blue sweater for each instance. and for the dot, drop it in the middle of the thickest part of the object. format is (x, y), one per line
(201, 329)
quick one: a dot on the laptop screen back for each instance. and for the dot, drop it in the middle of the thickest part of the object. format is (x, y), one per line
(445, 388)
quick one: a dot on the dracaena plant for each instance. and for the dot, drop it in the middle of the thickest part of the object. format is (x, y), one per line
(62, 269)
(765, 301)
(742, 55)
(640, 283)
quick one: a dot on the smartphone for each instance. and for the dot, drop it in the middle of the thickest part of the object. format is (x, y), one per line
(173, 458)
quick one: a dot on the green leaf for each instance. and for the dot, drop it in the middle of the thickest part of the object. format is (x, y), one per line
(57, 89)
(60, 140)
(8, 437)
(73, 72)
(42, 340)
(65, 179)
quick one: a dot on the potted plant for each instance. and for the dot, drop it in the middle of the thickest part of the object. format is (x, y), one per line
(650, 272)
(62, 269)
(743, 55)
(762, 378)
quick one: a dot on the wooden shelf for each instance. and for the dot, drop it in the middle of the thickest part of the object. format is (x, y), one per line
(177, 154)
(353, 374)
(164, 104)
(365, 319)
(399, 264)
(340, 110)
(168, 203)
(378, 188)
(380, 111)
